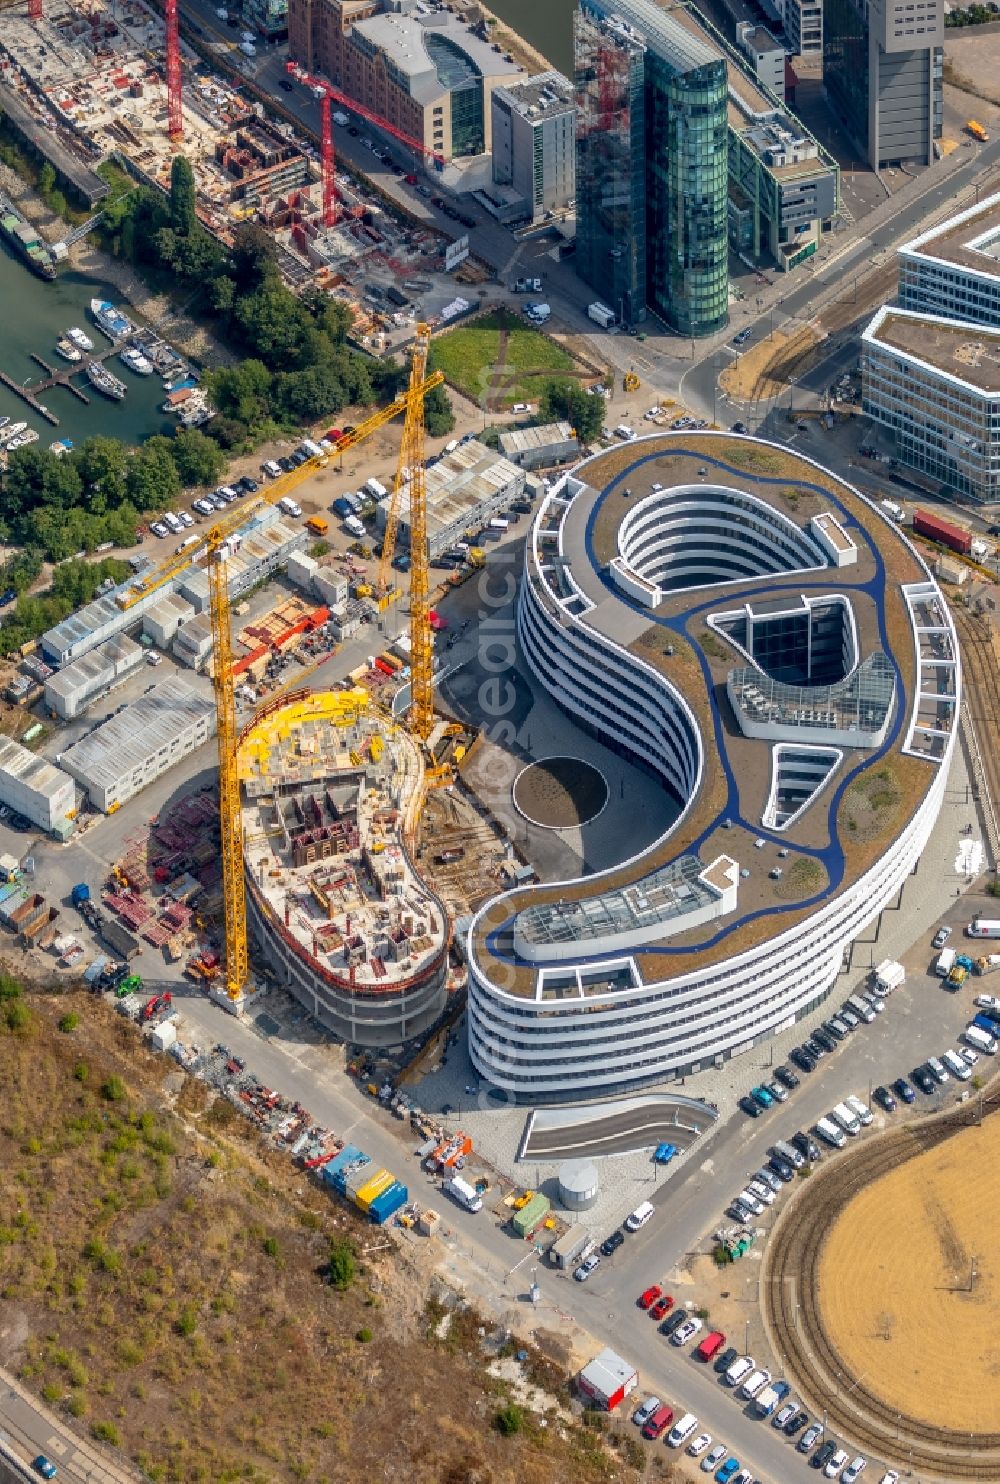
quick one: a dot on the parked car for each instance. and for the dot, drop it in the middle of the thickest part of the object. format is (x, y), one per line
(834, 1031)
(786, 1077)
(777, 1092)
(784, 1415)
(661, 1308)
(44, 1466)
(884, 1098)
(713, 1459)
(588, 1266)
(724, 1474)
(656, 1425)
(924, 1080)
(811, 1436)
(806, 1145)
(761, 1096)
(827, 1042)
(697, 1445)
(158, 528)
(724, 1361)
(649, 1296)
(645, 1410)
(769, 1178)
(795, 1424)
(854, 1470)
(673, 1321)
(781, 1168)
(823, 1454)
(835, 1464)
(752, 1109)
(941, 937)
(612, 1243)
(685, 1331)
(903, 1090)
(802, 1059)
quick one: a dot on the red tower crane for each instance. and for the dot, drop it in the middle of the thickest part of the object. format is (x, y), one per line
(175, 120)
(328, 95)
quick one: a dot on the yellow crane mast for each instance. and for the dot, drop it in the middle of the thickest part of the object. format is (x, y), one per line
(411, 402)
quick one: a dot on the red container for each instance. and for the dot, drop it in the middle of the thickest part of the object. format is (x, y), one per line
(936, 529)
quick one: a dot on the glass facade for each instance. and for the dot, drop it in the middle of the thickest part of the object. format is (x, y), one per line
(651, 166)
(610, 166)
(845, 66)
(457, 72)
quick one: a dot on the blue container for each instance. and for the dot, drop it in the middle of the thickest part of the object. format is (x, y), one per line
(388, 1202)
(350, 1171)
(347, 1156)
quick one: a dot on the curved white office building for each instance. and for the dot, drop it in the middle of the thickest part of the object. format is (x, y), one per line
(775, 652)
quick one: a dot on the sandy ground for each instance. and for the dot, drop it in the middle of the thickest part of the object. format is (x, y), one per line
(759, 373)
(895, 1284)
(972, 63)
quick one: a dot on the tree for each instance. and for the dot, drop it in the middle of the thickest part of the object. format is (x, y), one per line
(273, 325)
(153, 480)
(199, 460)
(438, 416)
(103, 465)
(183, 216)
(37, 477)
(567, 400)
(253, 259)
(242, 392)
(341, 1267)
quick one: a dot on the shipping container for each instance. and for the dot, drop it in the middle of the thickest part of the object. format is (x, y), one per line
(349, 1155)
(358, 1175)
(942, 531)
(525, 1221)
(390, 1201)
(364, 1194)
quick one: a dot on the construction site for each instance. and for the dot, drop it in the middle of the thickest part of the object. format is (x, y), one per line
(89, 83)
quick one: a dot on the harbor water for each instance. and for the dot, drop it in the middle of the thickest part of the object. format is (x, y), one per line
(35, 314)
(546, 24)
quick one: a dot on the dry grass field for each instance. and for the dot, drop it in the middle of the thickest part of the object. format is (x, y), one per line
(894, 1284)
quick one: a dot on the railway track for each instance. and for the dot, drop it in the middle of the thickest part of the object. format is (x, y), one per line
(981, 684)
(790, 1282)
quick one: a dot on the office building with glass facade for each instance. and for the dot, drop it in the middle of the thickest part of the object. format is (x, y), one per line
(651, 165)
(428, 74)
(882, 66)
(954, 269)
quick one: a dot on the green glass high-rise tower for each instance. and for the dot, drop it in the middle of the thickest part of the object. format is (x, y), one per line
(651, 165)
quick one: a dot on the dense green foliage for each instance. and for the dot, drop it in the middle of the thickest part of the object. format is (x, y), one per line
(73, 583)
(568, 400)
(975, 15)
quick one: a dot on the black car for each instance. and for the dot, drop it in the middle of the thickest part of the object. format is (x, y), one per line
(284, 85)
(250, 485)
(903, 1090)
(739, 428)
(924, 1080)
(800, 1056)
(885, 1099)
(723, 1361)
(286, 463)
(786, 1077)
(781, 1168)
(806, 1146)
(823, 1454)
(674, 1321)
(750, 1108)
(833, 1030)
(814, 1047)
(739, 1212)
(821, 1038)
(612, 1243)
(796, 1424)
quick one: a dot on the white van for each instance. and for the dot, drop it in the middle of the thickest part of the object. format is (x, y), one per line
(682, 1430)
(289, 507)
(756, 1381)
(957, 1065)
(376, 489)
(861, 1007)
(271, 469)
(987, 1002)
(979, 1040)
(893, 511)
(848, 1121)
(172, 523)
(640, 1216)
(861, 1109)
(312, 449)
(354, 526)
(830, 1133)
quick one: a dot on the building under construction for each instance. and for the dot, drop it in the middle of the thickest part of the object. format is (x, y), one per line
(330, 797)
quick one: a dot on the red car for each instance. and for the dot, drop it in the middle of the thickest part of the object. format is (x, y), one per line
(650, 1296)
(661, 1308)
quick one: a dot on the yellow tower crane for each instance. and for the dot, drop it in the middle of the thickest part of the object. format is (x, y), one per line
(411, 403)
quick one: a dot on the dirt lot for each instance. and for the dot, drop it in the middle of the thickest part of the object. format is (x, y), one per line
(972, 59)
(762, 372)
(165, 1281)
(894, 1284)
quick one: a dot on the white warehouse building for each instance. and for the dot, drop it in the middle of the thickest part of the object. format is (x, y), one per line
(801, 812)
(77, 685)
(35, 788)
(137, 745)
(465, 489)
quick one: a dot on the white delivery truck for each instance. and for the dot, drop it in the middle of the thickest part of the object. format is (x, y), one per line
(979, 927)
(889, 974)
(831, 1133)
(288, 506)
(848, 1120)
(893, 511)
(601, 315)
(463, 1193)
(945, 963)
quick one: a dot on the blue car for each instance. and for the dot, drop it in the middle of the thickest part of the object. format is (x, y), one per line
(44, 1466)
(726, 1471)
(762, 1096)
(665, 1153)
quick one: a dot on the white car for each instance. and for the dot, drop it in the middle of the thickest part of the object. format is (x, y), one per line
(749, 1199)
(712, 1460)
(697, 1445)
(521, 407)
(854, 1470)
(645, 1410)
(685, 1332)
(184, 518)
(889, 1477)
(762, 1192)
(754, 1384)
(588, 1266)
(833, 1468)
(739, 1370)
(159, 529)
(203, 507)
(152, 658)
(987, 1002)
(971, 1057)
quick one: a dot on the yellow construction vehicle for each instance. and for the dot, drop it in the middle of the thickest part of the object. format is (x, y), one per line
(631, 382)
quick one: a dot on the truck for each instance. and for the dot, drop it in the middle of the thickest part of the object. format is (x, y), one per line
(957, 538)
(983, 927)
(959, 972)
(288, 506)
(893, 511)
(945, 963)
(601, 315)
(375, 488)
(977, 131)
(766, 1400)
(528, 286)
(354, 526)
(464, 1194)
(847, 1119)
(889, 975)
